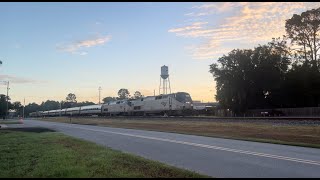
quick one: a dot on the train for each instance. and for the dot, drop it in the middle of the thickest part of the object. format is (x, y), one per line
(174, 104)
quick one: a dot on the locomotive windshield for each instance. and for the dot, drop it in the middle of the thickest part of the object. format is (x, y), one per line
(183, 97)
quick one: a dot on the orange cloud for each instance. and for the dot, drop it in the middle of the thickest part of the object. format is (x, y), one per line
(213, 8)
(251, 23)
(74, 47)
(92, 42)
(196, 25)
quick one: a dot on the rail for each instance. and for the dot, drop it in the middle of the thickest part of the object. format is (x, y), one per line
(206, 118)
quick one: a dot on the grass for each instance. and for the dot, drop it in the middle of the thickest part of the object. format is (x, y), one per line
(10, 122)
(40, 152)
(297, 135)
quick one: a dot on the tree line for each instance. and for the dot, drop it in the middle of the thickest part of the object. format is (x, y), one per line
(284, 73)
(70, 101)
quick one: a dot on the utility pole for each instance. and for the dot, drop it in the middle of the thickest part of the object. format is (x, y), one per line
(60, 108)
(99, 94)
(24, 104)
(7, 114)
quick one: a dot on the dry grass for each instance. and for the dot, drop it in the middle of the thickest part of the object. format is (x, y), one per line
(266, 132)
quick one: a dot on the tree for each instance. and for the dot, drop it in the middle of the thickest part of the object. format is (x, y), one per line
(137, 95)
(17, 107)
(251, 78)
(71, 98)
(302, 87)
(49, 105)
(3, 105)
(303, 30)
(273, 75)
(230, 74)
(108, 99)
(302, 80)
(65, 104)
(31, 107)
(85, 103)
(123, 94)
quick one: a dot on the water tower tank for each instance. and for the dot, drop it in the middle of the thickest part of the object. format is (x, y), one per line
(164, 72)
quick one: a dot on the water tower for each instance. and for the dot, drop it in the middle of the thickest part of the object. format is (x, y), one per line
(164, 77)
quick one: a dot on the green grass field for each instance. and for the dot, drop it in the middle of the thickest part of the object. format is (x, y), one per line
(39, 152)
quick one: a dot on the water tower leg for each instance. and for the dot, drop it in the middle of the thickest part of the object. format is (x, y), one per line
(164, 86)
(160, 85)
(169, 85)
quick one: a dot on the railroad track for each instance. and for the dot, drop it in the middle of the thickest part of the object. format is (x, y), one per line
(202, 118)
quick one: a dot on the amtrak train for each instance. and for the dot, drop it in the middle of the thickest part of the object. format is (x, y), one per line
(179, 103)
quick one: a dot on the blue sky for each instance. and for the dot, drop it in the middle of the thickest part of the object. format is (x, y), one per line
(51, 49)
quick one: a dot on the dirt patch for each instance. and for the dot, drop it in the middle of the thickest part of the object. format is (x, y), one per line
(31, 129)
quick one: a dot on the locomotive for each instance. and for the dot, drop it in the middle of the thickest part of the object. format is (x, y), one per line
(179, 103)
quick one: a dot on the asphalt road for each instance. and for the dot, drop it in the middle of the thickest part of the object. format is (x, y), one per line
(215, 157)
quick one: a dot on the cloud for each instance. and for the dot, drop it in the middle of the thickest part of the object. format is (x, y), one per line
(83, 53)
(93, 42)
(246, 23)
(18, 80)
(196, 25)
(75, 46)
(214, 8)
(207, 51)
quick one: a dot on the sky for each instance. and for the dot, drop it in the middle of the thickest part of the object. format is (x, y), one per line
(51, 49)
